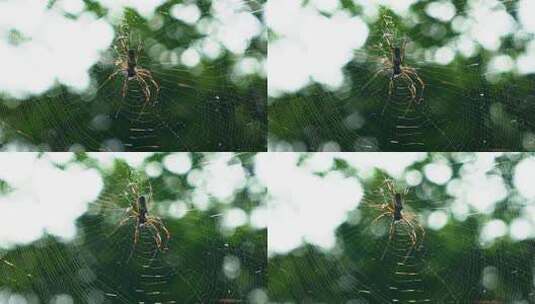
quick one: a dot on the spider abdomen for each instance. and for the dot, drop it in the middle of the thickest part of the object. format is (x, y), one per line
(397, 61)
(131, 68)
(398, 206)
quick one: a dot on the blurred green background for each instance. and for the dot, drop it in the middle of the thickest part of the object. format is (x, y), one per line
(216, 254)
(476, 248)
(213, 88)
(475, 99)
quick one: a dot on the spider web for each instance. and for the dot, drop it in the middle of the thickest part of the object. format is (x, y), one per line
(449, 265)
(207, 102)
(464, 107)
(206, 261)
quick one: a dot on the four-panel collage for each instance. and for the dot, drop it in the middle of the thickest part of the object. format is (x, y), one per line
(267, 151)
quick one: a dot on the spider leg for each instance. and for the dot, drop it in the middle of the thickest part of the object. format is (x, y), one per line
(391, 87)
(146, 91)
(117, 51)
(386, 198)
(412, 72)
(391, 236)
(123, 43)
(150, 192)
(144, 87)
(109, 78)
(120, 52)
(413, 236)
(380, 207)
(156, 236)
(380, 216)
(136, 234)
(422, 84)
(388, 42)
(157, 86)
(412, 232)
(121, 223)
(422, 230)
(385, 69)
(136, 237)
(148, 75)
(124, 88)
(134, 189)
(123, 94)
(136, 206)
(412, 87)
(390, 186)
(413, 91)
(161, 225)
(381, 70)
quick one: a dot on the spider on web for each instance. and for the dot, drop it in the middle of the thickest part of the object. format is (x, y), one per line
(392, 64)
(126, 64)
(139, 213)
(393, 209)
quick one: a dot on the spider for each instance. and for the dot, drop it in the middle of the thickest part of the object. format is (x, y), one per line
(139, 212)
(393, 208)
(393, 65)
(127, 65)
